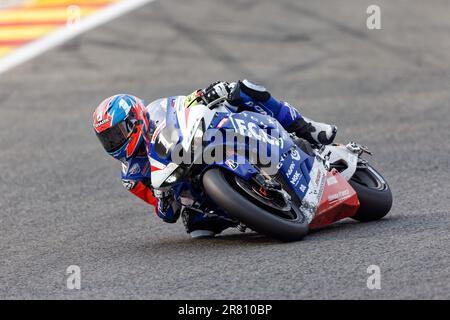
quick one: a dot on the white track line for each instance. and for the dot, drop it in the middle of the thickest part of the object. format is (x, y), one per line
(56, 38)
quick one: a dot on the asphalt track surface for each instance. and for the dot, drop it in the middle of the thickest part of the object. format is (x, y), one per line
(62, 202)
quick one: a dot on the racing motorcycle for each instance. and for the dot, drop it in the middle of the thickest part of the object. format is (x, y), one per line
(307, 186)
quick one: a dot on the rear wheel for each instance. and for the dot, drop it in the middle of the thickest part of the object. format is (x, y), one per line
(260, 211)
(373, 192)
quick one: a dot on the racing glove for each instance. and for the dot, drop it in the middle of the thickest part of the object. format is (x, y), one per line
(168, 207)
(216, 90)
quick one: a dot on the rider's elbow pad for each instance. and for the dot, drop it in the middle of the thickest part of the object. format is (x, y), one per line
(246, 89)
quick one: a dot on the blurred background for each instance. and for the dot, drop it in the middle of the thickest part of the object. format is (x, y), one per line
(25, 21)
(61, 199)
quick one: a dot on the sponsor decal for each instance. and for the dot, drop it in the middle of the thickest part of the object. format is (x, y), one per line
(101, 122)
(124, 166)
(321, 183)
(295, 154)
(261, 110)
(318, 177)
(340, 195)
(291, 169)
(129, 184)
(331, 181)
(135, 169)
(280, 163)
(252, 130)
(295, 178)
(312, 197)
(292, 112)
(302, 188)
(283, 157)
(231, 164)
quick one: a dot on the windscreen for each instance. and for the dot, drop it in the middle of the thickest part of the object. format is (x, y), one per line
(169, 135)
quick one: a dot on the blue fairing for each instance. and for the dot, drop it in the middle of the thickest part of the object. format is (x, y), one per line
(137, 168)
(238, 166)
(292, 162)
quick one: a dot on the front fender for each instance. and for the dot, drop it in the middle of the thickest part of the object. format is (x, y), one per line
(340, 153)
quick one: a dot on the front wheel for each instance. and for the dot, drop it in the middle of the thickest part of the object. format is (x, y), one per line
(373, 192)
(236, 199)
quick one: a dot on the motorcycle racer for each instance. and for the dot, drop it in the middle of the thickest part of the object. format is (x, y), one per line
(121, 121)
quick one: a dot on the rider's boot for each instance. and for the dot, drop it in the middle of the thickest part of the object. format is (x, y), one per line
(314, 132)
(202, 225)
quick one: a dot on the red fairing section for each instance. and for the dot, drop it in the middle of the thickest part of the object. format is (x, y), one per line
(145, 193)
(339, 201)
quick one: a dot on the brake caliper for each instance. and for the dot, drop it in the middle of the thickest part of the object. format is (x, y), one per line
(266, 184)
(358, 149)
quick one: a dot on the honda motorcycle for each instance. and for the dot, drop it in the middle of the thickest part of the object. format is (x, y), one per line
(304, 187)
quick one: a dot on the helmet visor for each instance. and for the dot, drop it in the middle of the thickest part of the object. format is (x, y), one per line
(114, 138)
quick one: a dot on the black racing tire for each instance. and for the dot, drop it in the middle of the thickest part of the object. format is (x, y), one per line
(219, 189)
(374, 194)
